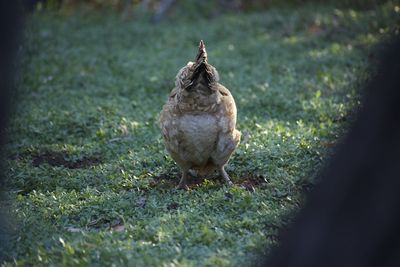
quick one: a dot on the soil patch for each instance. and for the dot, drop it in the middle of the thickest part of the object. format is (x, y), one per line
(252, 181)
(62, 159)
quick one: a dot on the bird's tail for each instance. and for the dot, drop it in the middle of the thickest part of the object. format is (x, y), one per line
(203, 71)
(201, 57)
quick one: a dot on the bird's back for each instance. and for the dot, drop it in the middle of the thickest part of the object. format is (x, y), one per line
(198, 120)
(199, 135)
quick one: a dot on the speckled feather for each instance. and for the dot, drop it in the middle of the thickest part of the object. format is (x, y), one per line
(199, 119)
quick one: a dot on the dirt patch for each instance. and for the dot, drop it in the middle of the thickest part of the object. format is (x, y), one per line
(63, 159)
(173, 206)
(251, 181)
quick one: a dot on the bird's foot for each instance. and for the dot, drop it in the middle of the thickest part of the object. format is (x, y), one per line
(182, 186)
(182, 183)
(226, 177)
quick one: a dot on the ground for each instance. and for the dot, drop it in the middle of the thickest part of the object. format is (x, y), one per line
(88, 179)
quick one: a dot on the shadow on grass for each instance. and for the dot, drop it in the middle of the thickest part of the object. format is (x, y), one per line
(249, 182)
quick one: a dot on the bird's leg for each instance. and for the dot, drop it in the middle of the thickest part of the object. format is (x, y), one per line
(182, 183)
(225, 176)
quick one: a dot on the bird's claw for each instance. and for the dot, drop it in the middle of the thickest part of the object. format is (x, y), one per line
(182, 187)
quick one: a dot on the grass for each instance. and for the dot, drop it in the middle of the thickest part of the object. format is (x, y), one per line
(88, 178)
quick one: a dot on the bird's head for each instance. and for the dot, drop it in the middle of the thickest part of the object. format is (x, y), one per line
(198, 74)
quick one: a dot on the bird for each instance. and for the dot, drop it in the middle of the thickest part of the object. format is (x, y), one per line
(198, 121)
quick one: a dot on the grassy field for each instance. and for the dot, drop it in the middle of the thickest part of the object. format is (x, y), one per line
(88, 179)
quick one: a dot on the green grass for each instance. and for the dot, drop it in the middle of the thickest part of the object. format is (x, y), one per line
(89, 181)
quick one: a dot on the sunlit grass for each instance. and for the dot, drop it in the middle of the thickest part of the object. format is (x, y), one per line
(88, 176)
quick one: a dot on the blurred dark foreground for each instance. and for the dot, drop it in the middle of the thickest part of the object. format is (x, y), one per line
(10, 26)
(352, 218)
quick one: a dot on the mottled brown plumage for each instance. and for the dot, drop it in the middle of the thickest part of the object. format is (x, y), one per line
(199, 119)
